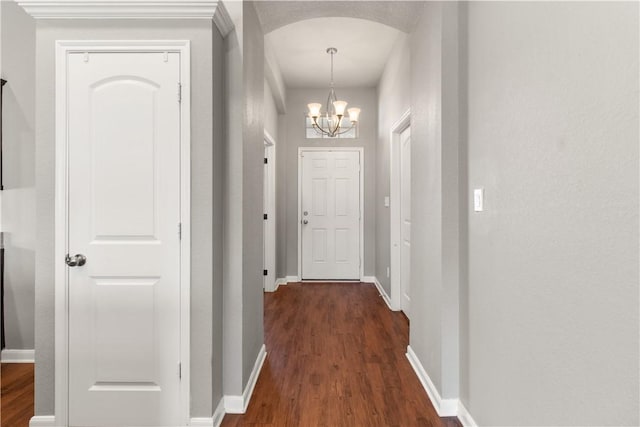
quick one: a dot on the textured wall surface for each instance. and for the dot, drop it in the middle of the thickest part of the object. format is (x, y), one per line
(553, 259)
(270, 112)
(253, 145)
(426, 191)
(219, 138)
(243, 200)
(18, 38)
(394, 98)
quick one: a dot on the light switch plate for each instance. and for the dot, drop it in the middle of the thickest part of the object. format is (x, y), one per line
(386, 201)
(478, 199)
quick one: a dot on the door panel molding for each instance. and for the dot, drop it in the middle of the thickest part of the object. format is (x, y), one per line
(360, 151)
(397, 128)
(61, 225)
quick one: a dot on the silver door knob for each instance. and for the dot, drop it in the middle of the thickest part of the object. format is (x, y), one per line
(305, 221)
(78, 260)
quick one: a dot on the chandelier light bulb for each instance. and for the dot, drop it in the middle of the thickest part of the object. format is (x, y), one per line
(314, 109)
(340, 107)
(354, 113)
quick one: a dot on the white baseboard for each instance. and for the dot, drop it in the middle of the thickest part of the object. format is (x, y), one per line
(238, 404)
(294, 279)
(201, 422)
(465, 417)
(218, 414)
(42, 421)
(383, 293)
(17, 356)
(279, 281)
(444, 407)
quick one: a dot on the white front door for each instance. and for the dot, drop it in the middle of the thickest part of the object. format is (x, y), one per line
(330, 215)
(124, 216)
(405, 218)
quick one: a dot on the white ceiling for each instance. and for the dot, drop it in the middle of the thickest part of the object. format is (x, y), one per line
(363, 49)
(395, 13)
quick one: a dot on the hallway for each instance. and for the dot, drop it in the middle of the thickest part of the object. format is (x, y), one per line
(336, 357)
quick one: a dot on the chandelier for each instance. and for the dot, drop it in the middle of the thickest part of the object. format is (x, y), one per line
(332, 123)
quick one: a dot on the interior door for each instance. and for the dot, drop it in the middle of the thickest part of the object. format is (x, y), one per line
(269, 233)
(330, 215)
(124, 215)
(405, 218)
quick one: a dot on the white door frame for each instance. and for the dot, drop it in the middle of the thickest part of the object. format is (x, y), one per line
(396, 130)
(63, 48)
(360, 151)
(270, 235)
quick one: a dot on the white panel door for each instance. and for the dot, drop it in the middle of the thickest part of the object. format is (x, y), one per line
(330, 215)
(269, 225)
(124, 213)
(405, 218)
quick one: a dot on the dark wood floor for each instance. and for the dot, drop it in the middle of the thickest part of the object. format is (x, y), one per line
(336, 357)
(16, 394)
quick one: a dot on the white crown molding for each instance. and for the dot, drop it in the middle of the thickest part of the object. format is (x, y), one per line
(223, 20)
(124, 9)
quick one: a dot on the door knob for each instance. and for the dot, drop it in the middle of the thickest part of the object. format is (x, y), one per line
(305, 221)
(78, 260)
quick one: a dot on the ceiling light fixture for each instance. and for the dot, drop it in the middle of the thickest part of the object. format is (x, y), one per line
(332, 123)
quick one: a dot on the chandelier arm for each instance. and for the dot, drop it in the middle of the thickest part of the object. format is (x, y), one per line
(346, 130)
(319, 128)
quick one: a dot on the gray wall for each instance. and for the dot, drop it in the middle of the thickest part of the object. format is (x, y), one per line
(553, 261)
(202, 145)
(435, 196)
(270, 112)
(253, 175)
(294, 131)
(18, 38)
(219, 140)
(243, 199)
(394, 91)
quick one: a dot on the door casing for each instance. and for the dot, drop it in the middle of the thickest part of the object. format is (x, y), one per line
(360, 150)
(61, 284)
(396, 286)
(270, 209)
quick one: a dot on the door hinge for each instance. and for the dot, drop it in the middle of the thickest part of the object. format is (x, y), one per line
(179, 92)
(179, 370)
(265, 272)
(265, 216)
(180, 230)
(266, 160)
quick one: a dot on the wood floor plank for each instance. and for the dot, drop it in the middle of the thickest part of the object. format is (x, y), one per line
(16, 394)
(336, 357)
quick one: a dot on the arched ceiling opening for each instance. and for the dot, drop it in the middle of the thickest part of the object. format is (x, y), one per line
(363, 49)
(401, 15)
